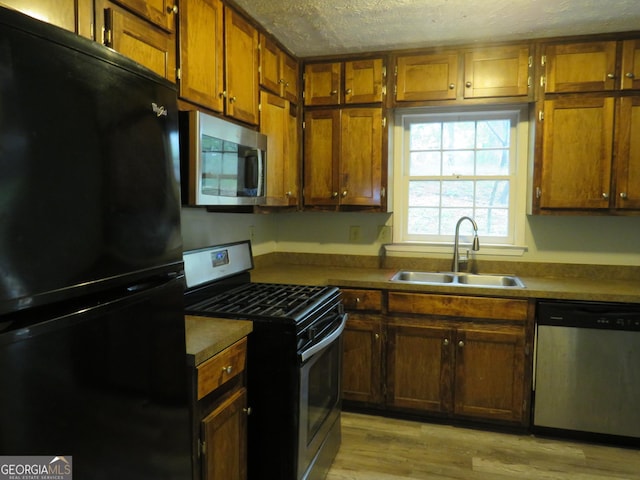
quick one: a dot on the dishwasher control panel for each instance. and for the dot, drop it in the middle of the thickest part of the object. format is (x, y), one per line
(608, 316)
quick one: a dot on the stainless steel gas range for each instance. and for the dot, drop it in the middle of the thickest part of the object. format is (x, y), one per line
(294, 360)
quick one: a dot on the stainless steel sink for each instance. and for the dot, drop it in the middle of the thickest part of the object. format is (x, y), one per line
(461, 279)
(422, 277)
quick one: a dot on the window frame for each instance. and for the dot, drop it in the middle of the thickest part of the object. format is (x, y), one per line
(519, 188)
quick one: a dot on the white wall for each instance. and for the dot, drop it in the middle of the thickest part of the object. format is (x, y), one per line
(599, 240)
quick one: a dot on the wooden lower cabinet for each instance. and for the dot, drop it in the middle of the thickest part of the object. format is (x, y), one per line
(448, 356)
(224, 439)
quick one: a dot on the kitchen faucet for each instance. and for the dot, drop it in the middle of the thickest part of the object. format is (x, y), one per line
(476, 243)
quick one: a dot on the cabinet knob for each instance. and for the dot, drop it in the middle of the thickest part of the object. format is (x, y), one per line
(288, 194)
(629, 75)
(452, 86)
(468, 84)
(233, 99)
(334, 194)
(348, 91)
(377, 336)
(228, 369)
(605, 195)
(172, 9)
(344, 193)
(223, 94)
(445, 342)
(610, 76)
(334, 92)
(623, 195)
(461, 344)
(247, 410)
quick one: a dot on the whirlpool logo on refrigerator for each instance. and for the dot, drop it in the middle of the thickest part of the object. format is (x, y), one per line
(57, 467)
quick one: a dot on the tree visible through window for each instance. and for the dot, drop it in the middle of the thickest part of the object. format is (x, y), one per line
(459, 165)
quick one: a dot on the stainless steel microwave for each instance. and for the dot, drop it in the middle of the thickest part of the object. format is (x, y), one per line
(222, 163)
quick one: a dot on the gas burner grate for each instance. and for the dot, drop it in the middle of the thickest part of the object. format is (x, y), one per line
(264, 300)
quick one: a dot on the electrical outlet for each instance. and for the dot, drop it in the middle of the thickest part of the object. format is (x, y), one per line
(384, 234)
(252, 233)
(355, 234)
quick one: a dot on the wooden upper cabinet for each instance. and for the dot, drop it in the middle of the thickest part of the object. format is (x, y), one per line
(627, 158)
(322, 83)
(278, 70)
(242, 61)
(631, 64)
(577, 153)
(497, 72)
(280, 127)
(364, 81)
(580, 67)
(140, 41)
(201, 53)
(426, 77)
(321, 156)
(73, 15)
(159, 12)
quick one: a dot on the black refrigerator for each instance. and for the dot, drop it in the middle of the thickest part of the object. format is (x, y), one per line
(92, 341)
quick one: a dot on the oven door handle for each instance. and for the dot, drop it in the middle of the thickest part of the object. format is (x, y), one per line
(326, 341)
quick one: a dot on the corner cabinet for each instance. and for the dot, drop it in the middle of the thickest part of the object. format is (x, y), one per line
(457, 356)
(343, 155)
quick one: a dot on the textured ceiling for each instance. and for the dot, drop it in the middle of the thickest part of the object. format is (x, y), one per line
(329, 27)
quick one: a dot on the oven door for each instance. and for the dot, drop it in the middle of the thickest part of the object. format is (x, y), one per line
(320, 400)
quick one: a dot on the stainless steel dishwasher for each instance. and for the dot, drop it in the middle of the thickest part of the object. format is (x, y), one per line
(587, 376)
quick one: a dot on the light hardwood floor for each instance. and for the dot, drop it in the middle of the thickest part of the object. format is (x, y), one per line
(376, 448)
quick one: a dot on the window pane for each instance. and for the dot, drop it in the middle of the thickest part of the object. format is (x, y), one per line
(492, 162)
(450, 217)
(457, 194)
(457, 163)
(423, 221)
(425, 136)
(459, 135)
(493, 134)
(422, 164)
(493, 222)
(425, 194)
(492, 193)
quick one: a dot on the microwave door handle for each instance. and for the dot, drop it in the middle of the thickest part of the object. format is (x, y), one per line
(326, 341)
(262, 182)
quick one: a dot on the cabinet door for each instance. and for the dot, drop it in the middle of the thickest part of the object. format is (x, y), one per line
(427, 77)
(140, 41)
(419, 368)
(361, 157)
(363, 81)
(631, 64)
(271, 66)
(489, 374)
(241, 61)
(580, 67)
(282, 184)
(497, 72)
(73, 15)
(322, 84)
(321, 151)
(224, 432)
(290, 73)
(628, 155)
(362, 359)
(576, 153)
(201, 53)
(159, 12)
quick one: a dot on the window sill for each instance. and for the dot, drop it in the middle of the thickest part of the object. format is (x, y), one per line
(410, 249)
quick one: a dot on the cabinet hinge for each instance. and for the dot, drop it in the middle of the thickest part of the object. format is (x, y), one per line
(384, 90)
(395, 89)
(259, 67)
(395, 70)
(528, 82)
(530, 61)
(383, 192)
(543, 81)
(538, 192)
(106, 37)
(543, 60)
(541, 115)
(384, 122)
(384, 71)
(203, 446)
(304, 124)
(259, 107)
(179, 73)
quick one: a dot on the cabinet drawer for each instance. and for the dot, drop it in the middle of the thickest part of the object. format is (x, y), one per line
(221, 367)
(458, 306)
(362, 300)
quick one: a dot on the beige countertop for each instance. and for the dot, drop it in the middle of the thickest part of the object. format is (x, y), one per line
(207, 336)
(585, 289)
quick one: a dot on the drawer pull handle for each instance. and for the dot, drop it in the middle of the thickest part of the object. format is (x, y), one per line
(228, 369)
